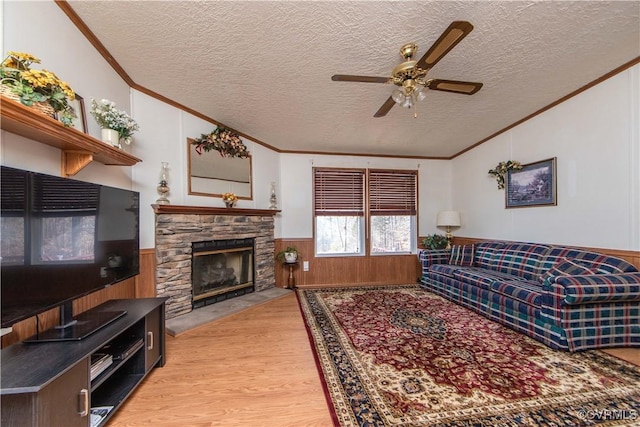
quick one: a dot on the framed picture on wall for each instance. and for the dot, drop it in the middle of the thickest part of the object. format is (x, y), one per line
(533, 185)
(80, 121)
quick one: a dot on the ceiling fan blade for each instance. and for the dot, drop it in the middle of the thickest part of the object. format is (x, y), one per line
(362, 79)
(385, 108)
(447, 41)
(455, 86)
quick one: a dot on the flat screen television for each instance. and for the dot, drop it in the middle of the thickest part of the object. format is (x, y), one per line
(63, 239)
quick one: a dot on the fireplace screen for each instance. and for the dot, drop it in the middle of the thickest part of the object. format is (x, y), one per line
(221, 269)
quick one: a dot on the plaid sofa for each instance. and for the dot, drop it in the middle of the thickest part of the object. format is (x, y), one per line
(567, 298)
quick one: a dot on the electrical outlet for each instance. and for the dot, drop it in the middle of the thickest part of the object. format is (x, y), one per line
(305, 265)
(103, 272)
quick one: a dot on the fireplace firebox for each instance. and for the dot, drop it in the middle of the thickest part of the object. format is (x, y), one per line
(221, 269)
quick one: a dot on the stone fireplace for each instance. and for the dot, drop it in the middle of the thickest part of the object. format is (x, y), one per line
(184, 233)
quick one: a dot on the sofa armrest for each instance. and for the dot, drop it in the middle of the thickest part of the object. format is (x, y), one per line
(430, 257)
(597, 288)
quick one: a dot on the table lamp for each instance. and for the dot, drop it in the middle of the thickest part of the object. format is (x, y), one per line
(448, 219)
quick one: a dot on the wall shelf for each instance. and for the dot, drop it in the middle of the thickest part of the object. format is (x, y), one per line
(78, 148)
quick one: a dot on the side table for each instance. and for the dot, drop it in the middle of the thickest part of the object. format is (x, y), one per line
(291, 283)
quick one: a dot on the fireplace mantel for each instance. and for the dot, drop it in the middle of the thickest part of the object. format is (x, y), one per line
(208, 210)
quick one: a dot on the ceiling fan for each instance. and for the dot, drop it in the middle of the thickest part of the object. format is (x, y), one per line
(411, 75)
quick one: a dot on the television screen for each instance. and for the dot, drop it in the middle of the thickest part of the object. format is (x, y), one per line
(62, 239)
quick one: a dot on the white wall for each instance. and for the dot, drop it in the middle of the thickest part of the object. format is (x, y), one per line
(594, 136)
(434, 186)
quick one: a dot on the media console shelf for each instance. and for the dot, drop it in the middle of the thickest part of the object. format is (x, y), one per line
(78, 149)
(58, 383)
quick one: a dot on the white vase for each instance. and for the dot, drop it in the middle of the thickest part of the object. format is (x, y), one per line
(290, 257)
(111, 137)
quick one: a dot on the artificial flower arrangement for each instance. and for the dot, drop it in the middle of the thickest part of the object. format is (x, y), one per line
(227, 143)
(229, 198)
(501, 169)
(109, 117)
(33, 86)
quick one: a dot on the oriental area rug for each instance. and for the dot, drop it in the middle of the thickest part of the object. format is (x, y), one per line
(401, 356)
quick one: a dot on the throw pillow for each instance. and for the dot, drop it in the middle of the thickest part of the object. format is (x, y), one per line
(567, 267)
(462, 255)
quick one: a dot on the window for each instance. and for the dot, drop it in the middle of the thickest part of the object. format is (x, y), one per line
(340, 210)
(392, 208)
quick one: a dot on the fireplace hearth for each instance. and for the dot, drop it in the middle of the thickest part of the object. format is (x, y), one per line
(221, 269)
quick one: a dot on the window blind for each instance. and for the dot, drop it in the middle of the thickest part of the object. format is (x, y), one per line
(338, 192)
(393, 192)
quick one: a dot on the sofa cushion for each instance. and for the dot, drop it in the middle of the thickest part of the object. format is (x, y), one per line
(568, 267)
(481, 277)
(520, 259)
(605, 264)
(462, 255)
(484, 253)
(528, 292)
(444, 269)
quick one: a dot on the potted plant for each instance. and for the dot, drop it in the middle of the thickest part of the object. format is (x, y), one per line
(36, 88)
(435, 241)
(229, 199)
(288, 255)
(113, 121)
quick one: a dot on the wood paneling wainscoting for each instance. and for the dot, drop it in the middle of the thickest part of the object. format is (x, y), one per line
(632, 257)
(146, 280)
(346, 270)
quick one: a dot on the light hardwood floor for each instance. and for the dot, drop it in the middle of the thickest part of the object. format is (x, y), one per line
(254, 368)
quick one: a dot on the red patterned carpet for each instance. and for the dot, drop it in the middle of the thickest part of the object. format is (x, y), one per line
(400, 356)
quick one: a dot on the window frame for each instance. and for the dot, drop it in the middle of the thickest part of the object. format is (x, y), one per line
(340, 206)
(366, 221)
(403, 201)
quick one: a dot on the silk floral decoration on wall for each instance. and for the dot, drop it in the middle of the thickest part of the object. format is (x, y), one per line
(224, 141)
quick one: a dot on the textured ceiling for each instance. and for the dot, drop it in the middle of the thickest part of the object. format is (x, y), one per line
(264, 68)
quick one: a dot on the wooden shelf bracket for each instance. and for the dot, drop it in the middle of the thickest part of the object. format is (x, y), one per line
(73, 161)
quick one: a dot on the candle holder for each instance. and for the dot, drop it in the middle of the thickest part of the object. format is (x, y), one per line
(163, 188)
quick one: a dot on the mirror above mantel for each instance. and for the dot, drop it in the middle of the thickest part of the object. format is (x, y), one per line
(210, 174)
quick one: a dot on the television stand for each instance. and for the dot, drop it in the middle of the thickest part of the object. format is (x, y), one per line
(64, 383)
(83, 325)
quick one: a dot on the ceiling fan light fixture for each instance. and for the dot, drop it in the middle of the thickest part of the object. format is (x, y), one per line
(421, 93)
(398, 96)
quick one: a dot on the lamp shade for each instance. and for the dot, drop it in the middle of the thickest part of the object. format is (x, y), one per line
(448, 219)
